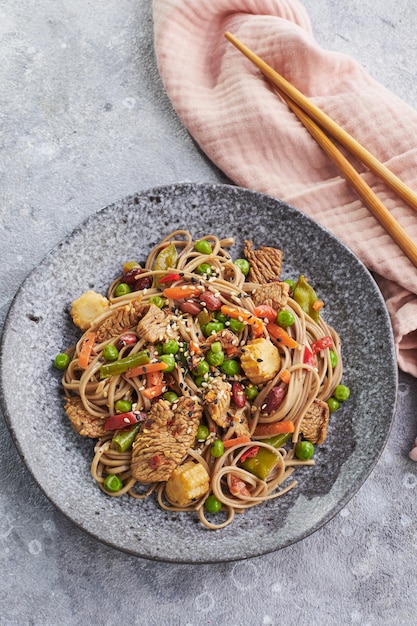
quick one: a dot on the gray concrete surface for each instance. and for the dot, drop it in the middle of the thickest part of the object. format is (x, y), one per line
(84, 121)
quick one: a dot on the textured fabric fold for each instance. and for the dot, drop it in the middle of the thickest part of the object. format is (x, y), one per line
(249, 133)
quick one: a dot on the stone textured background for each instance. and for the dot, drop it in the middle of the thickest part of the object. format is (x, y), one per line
(84, 121)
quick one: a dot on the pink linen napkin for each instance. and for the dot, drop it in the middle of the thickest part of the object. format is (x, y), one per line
(251, 135)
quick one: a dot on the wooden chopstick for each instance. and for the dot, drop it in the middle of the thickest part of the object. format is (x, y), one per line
(308, 114)
(397, 232)
(343, 137)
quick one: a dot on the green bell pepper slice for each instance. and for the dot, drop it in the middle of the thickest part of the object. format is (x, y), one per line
(123, 439)
(124, 364)
(166, 259)
(305, 296)
(262, 464)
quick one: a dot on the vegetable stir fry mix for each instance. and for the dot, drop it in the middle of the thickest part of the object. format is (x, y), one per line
(204, 379)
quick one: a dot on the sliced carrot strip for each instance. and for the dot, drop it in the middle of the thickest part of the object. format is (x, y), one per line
(153, 392)
(195, 347)
(264, 311)
(146, 369)
(239, 314)
(154, 378)
(244, 316)
(285, 376)
(281, 335)
(86, 349)
(234, 441)
(182, 291)
(317, 305)
(277, 428)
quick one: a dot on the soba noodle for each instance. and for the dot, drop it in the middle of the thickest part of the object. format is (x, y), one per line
(233, 486)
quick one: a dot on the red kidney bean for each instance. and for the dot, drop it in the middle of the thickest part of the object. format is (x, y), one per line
(132, 278)
(191, 306)
(238, 395)
(273, 399)
(211, 302)
(127, 339)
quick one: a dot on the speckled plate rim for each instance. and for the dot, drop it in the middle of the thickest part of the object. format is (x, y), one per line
(176, 548)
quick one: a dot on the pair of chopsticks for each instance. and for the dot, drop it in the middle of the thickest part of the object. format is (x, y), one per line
(317, 122)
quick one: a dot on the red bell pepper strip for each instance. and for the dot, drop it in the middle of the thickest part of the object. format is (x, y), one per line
(321, 344)
(120, 421)
(170, 278)
(309, 358)
(249, 454)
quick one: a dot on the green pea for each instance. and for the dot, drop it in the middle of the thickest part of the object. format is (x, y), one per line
(333, 404)
(203, 367)
(304, 450)
(341, 393)
(333, 358)
(112, 483)
(212, 504)
(203, 246)
(170, 347)
(123, 406)
(158, 301)
(202, 432)
(285, 318)
(204, 268)
(215, 358)
(110, 352)
(243, 265)
(216, 346)
(199, 380)
(62, 360)
(230, 367)
(236, 325)
(251, 392)
(170, 396)
(212, 327)
(220, 317)
(122, 289)
(169, 360)
(290, 282)
(217, 448)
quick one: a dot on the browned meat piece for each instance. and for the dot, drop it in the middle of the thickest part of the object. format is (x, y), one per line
(119, 320)
(156, 325)
(237, 419)
(274, 294)
(166, 435)
(315, 422)
(265, 263)
(226, 337)
(82, 422)
(217, 401)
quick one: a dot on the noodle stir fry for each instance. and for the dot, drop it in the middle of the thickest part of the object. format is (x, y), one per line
(205, 380)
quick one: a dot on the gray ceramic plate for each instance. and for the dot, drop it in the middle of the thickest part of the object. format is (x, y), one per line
(38, 326)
